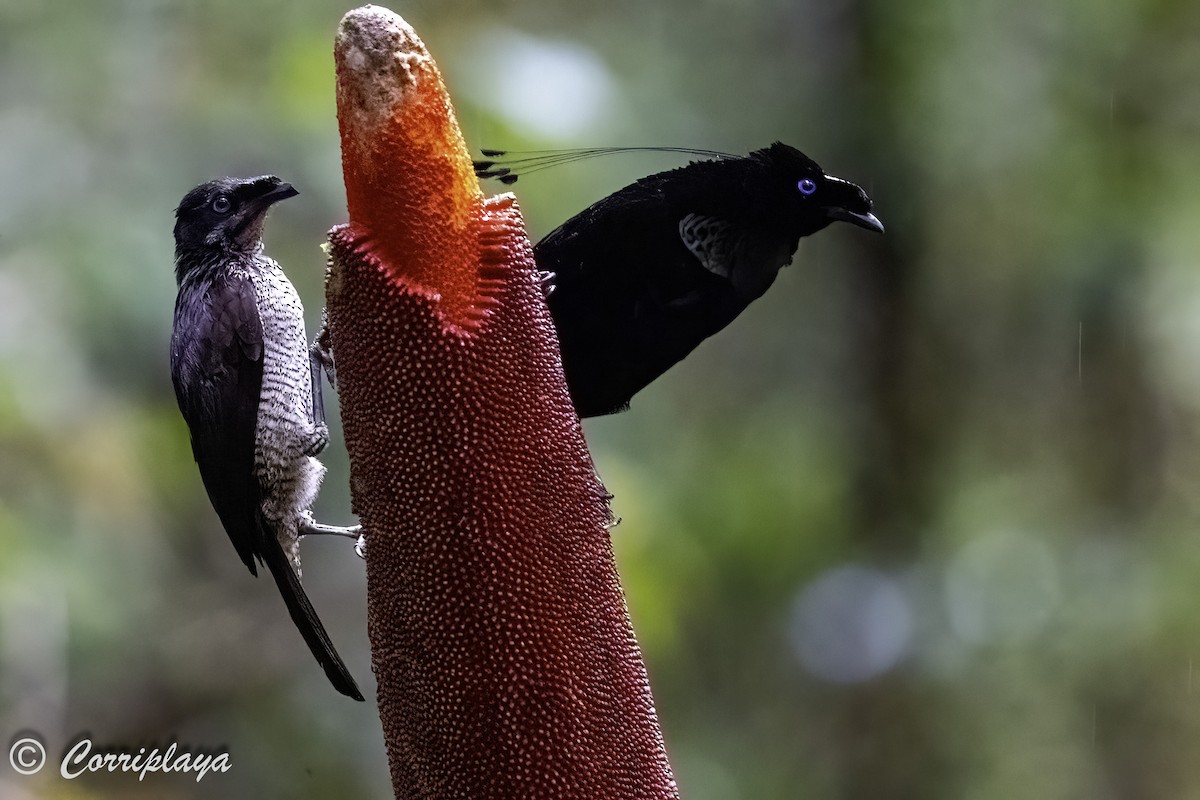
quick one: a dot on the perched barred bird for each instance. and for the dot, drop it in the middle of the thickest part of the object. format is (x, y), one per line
(248, 386)
(645, 275)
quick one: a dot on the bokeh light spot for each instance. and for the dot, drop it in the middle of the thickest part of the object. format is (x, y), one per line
(851, 624)
(547, 88)
(1001, 587)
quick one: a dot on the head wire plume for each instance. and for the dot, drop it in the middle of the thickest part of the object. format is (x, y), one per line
(501, 165)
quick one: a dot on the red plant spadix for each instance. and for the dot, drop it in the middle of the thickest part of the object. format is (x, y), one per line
(506, 663)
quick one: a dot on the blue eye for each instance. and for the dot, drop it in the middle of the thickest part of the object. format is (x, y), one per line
(806, 186)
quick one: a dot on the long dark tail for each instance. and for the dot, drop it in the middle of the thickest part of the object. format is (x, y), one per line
(305, 617)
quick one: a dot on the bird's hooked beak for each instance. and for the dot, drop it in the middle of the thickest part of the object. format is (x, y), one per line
(844, 196)
(867, 220)
(272, 191)
(260, 194)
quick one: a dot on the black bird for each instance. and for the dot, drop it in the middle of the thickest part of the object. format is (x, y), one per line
(248, 387)
(643, 276)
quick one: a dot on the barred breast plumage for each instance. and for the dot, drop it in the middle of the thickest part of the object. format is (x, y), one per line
(285, 436)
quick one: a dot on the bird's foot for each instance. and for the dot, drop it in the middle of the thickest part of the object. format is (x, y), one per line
(309, 527)
(546, 282)
(321, 350)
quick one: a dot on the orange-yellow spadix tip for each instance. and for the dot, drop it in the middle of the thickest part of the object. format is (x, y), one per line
(410, 188)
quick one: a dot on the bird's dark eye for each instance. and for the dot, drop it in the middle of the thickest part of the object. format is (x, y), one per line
(221, 204)
(806, 186)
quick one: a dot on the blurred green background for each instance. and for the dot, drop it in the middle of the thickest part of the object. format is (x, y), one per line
(923, 523)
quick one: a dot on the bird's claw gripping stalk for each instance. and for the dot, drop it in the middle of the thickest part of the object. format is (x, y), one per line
(310, 527)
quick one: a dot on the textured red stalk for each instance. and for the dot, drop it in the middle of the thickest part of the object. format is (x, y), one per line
(506, 662)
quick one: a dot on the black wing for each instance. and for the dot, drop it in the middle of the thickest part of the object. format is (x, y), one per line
(216, 367)
(644, 276)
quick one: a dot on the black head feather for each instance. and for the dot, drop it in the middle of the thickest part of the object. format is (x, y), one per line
(226, 215)
(812, 198)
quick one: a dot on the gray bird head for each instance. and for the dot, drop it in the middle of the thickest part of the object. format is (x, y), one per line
(226, 215)
(816, 199)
